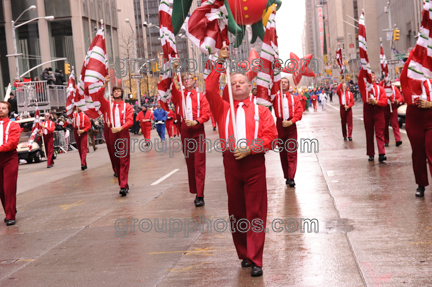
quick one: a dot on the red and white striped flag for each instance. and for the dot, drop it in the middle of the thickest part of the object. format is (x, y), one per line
(339, 59)
(207, 27)
(384, 68)
(93, 73)
(365, 71)
(169, 48)
(418, 67)
(268, 79)
(70, 99)
(35, 129)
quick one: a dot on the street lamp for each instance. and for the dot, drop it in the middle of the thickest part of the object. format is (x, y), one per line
(135, 52)
(150, 25)
(353, 79)
(32, 7)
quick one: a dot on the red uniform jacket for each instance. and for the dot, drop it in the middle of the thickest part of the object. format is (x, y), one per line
(84, 122)
(204, 113)
(125, 111)
(295, 108)
(314, 98)
(267, 132)
(13, 135)
(148, 116)
(378, 92)
(171, 115)
(50, 127)
(349, 98)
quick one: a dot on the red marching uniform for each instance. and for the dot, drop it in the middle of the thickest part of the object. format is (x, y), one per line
(303, 101)
(81, 122)
(119, 115)
(170, 123)
(198, 109)
(314, 100)
(145, 126)
(346, 99)
(48, 137)
(287, 107)
(245, 178)
(418, 126)
(391, 116)
(373, 116)
(9, 138)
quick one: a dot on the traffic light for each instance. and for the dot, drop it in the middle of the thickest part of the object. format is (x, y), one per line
(396, 33)
(397, 70)
(67, 69)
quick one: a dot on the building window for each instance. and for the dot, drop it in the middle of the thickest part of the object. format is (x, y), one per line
(93, 9)
(28, 44)
(86, 33)
(61, 42)
(85, 8)
(57, 8)
(4, 61)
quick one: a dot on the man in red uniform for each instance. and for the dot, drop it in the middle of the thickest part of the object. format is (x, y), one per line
(81, 124)
(373, 115)
(170, 123)
(244, 164)
(145, 117)
(9, 138)
(47, 132)
(120, 118)
(303, 101)
(288, 111)
(193, 117)
(106, 136)
(346, 102)
(314, 100)
(391, 116)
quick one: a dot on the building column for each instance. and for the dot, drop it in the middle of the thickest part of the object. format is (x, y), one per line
(78, 36)
(44, 38)
(7, 11)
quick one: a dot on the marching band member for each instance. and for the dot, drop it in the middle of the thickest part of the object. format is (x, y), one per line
(346, 102)
(81, 124)
(47, 132)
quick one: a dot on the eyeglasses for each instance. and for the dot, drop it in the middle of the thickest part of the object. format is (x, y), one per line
(188, 79)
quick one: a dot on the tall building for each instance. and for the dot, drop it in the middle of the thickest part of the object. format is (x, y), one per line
(40, 41)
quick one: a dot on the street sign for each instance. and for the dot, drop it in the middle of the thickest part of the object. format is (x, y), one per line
(351, 48)
(389, 36)
(137, 76)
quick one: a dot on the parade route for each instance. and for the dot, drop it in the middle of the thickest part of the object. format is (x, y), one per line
(74, 229)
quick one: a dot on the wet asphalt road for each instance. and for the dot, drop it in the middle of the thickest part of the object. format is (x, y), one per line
(73, 228)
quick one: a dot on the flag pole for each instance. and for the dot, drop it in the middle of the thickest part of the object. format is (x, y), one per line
(231, 100)
(109, 124)
(183, 97)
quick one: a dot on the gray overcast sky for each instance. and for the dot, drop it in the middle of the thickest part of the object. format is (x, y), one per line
(289, 24)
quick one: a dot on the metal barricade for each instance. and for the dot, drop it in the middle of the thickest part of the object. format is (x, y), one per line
(30, 95)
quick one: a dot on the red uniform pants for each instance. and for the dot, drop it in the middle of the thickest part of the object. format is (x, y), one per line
(346, 119)
(8, 182)
(194, 149)
(120, 145)
(373, 117)
(418, 125)
(107, 132)
(288, 157)
(169, 127)
(391, 118)
(304, 105)
(247, 201)
(314, 103)
(49, 148)
(81, 142)
(146, 130)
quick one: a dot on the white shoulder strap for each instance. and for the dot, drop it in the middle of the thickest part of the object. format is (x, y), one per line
(124, 113)
(227, 125)
(7, 131)
(292, 101)
(256, 118)
(199, 105)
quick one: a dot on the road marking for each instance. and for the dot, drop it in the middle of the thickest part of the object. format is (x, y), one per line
(38, 172)
(66, 206)
(26, 260)
(200, 250)
(164, 177)
(420, 243)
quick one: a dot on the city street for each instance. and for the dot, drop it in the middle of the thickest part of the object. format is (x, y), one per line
(74, 229)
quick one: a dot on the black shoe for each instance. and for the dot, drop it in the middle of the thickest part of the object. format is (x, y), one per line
(398, 143)
(256, 271)
(292, 183)
(246, 263)
(115, 174)
(382, 157)
(10, 222)
(350, 139)
(123, 191)
(345, 138)
(83, 167)
(199, 201)
(420, 191)
(386, 145)
(214, 129)
(371, 158)
(127, 187)
(287, 182)
(49, 166)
